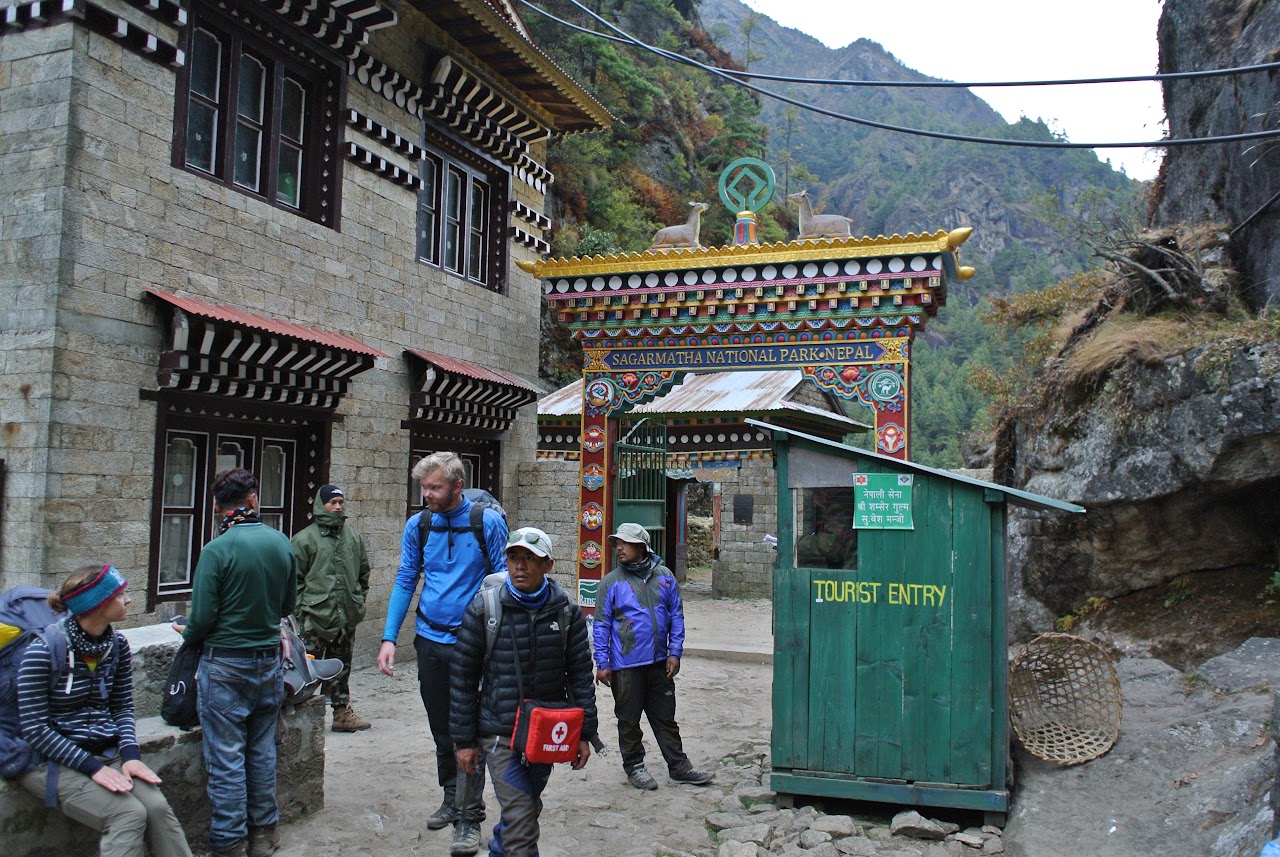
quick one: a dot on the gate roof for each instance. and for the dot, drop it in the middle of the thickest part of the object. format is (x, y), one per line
(714, 393)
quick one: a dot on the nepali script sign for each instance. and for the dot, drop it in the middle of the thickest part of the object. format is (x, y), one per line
(882, 501)
(759, 356)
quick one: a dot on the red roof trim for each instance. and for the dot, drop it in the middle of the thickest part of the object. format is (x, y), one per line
(241, 318)
(474, 370)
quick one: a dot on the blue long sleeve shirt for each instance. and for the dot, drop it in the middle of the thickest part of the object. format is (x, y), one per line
(451, 567)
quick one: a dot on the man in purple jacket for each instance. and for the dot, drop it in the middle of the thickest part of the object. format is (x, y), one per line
(639, 636)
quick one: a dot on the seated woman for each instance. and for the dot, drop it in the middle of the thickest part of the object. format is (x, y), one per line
(78, 715)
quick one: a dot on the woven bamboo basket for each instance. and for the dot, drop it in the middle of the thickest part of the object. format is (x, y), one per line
(1064, 699)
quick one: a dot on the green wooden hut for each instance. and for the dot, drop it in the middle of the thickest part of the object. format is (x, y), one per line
(890, 666)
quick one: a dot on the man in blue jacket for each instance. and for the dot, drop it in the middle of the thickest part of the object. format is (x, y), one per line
(451, 565)
(639, 638)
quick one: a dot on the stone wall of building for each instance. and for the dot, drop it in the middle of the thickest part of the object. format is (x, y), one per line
(35, 116)
(744, 568)
(126, 220)
(549, 501)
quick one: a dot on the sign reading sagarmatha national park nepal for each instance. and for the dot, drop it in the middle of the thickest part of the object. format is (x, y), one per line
(882, 501)
(754, 356)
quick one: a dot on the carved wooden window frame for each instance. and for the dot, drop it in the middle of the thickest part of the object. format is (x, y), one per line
(481, 237)
(204, 424)
(244, 32)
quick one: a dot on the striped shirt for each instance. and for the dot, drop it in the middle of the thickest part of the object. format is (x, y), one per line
(69, 723)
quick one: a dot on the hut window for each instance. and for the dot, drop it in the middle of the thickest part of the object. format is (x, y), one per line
(461, 212)
(825, 537)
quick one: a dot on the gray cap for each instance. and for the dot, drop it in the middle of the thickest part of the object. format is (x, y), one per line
(633, 533)
(532, 539)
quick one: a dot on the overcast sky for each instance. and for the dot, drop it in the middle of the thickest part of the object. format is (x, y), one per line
(990, 40)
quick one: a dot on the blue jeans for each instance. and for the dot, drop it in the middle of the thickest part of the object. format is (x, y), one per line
(239, 701)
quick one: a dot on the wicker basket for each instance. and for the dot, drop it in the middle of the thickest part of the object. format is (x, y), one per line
(1064, 699)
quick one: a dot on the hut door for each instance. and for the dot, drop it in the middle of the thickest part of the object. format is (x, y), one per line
(640, 489)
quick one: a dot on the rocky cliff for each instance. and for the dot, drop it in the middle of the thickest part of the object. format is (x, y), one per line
(1233, 183)
(1176, 453)
(1178, 464)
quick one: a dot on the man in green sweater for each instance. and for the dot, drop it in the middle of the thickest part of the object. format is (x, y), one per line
(333, 580)
(244, 583)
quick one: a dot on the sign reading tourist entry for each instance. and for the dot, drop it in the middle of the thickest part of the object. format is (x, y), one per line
(882, 501)
(761, 356)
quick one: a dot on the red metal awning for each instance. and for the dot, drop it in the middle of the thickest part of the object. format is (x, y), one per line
(224, 350)
(458, 392)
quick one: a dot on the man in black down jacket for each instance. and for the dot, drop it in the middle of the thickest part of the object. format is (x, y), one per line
(484, 696)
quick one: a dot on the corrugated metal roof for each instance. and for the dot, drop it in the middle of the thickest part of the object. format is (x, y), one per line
(709, 393)
(1016, 496)
(240, 317)
(475, 370)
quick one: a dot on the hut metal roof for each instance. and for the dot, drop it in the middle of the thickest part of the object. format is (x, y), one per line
(1017, 497)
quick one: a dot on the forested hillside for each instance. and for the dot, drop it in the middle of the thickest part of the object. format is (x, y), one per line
(680, 126)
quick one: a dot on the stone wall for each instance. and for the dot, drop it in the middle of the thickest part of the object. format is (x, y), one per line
(31, 830)
(35, 116)
(744, 568)
(700, 534)
(86, 136)
(549, 491)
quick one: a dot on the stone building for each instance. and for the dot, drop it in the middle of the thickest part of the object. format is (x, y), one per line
(708, 441)
(262, 233)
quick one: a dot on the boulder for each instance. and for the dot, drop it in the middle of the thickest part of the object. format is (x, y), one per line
(916, 826)
(1178, 465)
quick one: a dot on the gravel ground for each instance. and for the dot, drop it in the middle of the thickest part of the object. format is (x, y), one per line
(380, 784)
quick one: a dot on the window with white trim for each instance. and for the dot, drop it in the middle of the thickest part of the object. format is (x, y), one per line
(461, 213)
(252, 117)
(193, 451)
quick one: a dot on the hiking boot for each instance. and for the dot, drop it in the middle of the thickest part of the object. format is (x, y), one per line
(345, 720)
(466, 839)
(446, 815)
(237, 850)
(263, 841)
(696, 778)
(640, 779)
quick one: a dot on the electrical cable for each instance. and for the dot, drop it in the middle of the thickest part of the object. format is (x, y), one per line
(946, 84)
(626, 38)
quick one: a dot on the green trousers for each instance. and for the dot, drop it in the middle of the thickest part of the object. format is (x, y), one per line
(129, 821)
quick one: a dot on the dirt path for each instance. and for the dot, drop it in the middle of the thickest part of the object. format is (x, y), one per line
(380, 784)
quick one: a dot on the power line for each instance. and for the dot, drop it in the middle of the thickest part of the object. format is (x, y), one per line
(733, 77)
(948, 84)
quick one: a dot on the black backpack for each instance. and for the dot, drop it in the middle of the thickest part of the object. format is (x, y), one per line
(490, 597)
(480, 500)
(178, 708)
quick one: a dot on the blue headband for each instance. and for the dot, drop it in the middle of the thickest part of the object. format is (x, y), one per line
(92, 594)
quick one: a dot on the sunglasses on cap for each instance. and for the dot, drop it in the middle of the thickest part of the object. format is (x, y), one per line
(516, 538)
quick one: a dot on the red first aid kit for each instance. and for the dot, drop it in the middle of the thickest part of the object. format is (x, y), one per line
(547, 732)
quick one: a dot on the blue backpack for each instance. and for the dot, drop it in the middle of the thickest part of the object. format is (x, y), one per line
(24, 615)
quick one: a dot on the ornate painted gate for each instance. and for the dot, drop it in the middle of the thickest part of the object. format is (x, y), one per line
(842, 310)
